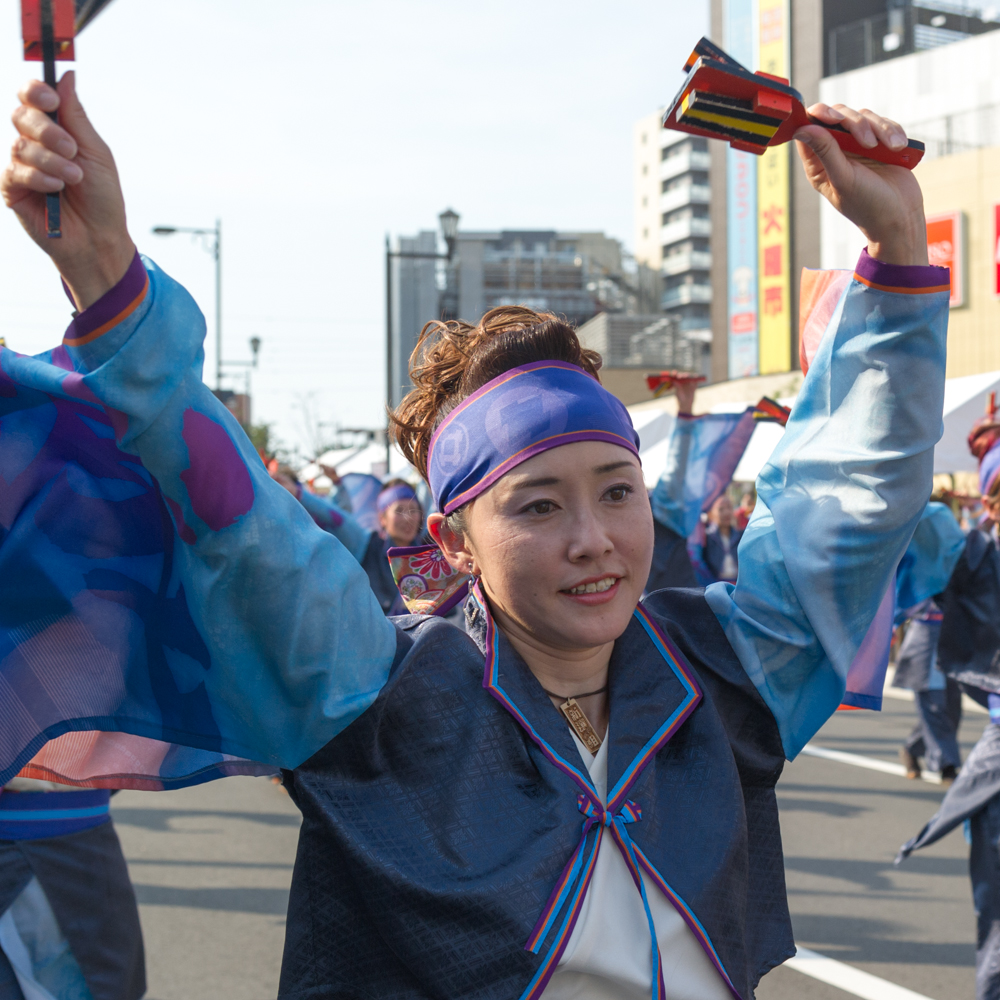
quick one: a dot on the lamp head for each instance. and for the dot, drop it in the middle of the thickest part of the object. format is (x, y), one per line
(449, 224)
(164, 230)
(255, 347)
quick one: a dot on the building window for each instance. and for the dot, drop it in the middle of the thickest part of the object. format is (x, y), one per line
(645, 201)
(645, 170)
(645, 234)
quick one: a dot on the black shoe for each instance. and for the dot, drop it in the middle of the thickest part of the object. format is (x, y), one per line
(948, 774)
(910, 762)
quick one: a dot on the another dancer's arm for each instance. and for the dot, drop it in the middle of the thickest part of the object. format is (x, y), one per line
(331, 513)
(276, 601)
(842, 493)
(667, 499)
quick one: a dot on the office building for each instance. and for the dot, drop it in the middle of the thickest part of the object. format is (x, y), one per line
(575, 275)
(672, 225)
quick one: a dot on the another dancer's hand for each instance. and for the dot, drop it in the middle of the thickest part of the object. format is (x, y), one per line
(95, 249)
(331, 473)
(883, 201)
(685, 396)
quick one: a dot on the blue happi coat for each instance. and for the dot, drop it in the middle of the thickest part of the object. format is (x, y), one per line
(155, 582)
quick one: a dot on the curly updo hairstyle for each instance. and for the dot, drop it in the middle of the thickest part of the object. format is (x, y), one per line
(453, 359)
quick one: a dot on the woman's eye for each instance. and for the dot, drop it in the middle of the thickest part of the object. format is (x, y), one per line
(542, 507)
(619, 493)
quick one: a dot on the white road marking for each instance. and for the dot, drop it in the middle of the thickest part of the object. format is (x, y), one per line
(872, 763)
(847, 978)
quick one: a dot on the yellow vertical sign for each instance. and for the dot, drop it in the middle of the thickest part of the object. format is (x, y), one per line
(773, 245)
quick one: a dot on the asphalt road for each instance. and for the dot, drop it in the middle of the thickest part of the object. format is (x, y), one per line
(212, 865)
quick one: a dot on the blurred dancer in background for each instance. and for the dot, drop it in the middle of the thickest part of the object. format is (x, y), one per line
(722, 538)
(923, 573)
(69, 925)
(969, 651)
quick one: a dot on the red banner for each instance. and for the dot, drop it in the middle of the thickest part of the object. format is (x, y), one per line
(996, 250)
(945, 248)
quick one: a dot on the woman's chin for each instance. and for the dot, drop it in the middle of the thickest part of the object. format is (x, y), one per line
(592, 624)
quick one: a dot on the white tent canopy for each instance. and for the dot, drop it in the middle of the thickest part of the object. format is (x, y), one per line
(965, 401)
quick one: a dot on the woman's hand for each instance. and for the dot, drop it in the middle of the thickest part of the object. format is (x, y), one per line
(883, 201)
(95, 249)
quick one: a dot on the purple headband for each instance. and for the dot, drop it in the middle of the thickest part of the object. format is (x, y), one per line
(401, 491)
(518, 415)
(989, 467)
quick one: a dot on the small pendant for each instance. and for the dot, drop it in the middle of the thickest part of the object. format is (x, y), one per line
(581, 725)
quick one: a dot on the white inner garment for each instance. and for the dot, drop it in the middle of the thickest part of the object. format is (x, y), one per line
(609, 955)
(38, 951)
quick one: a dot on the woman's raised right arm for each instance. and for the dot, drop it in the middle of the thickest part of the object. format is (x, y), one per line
(182, 594)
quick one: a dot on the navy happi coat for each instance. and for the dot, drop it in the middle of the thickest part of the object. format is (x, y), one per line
(436, 825)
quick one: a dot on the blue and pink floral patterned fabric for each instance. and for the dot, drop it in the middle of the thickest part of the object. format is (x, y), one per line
(428, 584)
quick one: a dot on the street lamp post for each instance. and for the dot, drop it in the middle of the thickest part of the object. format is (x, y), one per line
(214, 248)
(449, 229)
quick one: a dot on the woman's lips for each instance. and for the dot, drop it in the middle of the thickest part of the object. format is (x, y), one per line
(595, 597)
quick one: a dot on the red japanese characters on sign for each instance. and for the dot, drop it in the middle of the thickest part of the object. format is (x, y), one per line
(946, 248)
(774, 300)
(772, 261)
(996, 250)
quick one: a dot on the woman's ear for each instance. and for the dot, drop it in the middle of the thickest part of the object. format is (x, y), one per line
(451, 543)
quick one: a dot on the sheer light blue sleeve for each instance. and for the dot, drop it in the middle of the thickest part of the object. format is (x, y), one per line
(840, 496)
(667, 499)
(330, 516)
(297, 645)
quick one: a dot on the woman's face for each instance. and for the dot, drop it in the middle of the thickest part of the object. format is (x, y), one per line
(722, 512)
(400, 521)
(563, 544)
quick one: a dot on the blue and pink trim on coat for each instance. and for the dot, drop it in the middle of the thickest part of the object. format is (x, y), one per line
(570, 890)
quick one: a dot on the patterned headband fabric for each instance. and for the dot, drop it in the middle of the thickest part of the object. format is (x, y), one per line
(518, 415)
(401, 491)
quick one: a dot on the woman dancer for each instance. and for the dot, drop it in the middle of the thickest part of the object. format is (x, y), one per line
(576, 799)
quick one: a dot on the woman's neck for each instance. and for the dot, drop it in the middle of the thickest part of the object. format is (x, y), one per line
(565, 673)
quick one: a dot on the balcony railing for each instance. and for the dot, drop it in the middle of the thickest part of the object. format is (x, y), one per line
(684, 295)
(682, 163)
(684, 229)
(685, 194)
(694, 260)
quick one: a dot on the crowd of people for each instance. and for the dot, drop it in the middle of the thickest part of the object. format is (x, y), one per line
(570, 792)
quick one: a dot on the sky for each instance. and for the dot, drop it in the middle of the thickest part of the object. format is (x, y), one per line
(313, 129)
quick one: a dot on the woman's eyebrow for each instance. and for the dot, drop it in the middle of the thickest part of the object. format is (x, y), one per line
(612, 466)
(528, 483)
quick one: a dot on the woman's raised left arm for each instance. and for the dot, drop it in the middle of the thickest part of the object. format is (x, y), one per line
(842, 493)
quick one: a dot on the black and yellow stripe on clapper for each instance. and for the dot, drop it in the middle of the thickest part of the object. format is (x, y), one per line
(728, 117)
